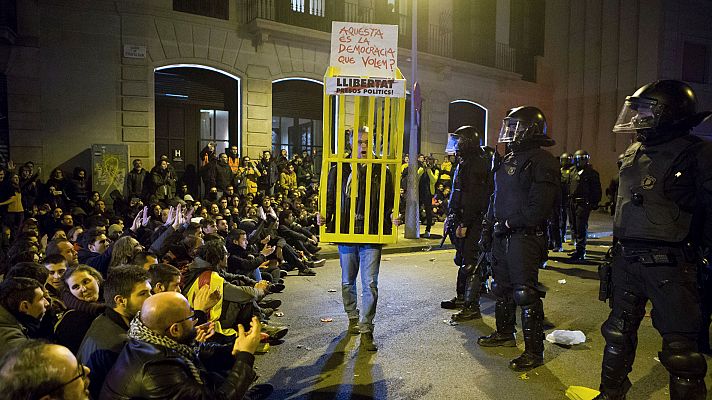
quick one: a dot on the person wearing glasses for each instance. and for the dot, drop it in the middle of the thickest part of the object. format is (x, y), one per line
(159, 362)
(39, 370)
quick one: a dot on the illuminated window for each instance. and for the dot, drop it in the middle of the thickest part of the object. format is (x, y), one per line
(313, 7)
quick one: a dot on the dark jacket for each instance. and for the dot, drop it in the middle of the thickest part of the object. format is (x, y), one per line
(101, 346)
(12, 333)
(223, 175)
(163, 183)
(241, 261)
(361, 200)
(585, 186)
(135, 183)
(149, 371)
(270, 174)
(100, 262)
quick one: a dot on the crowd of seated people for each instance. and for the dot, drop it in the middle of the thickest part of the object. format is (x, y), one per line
(81, 278)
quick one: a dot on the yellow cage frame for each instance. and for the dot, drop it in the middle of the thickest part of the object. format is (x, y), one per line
(385, 118)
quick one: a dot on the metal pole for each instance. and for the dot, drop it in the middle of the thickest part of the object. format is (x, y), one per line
(412, 217)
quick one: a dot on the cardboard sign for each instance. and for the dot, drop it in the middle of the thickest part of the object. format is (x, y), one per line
(364, 49)
(378, 87)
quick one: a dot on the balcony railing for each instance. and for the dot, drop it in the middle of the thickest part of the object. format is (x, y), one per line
(439, 41)
(356, 13)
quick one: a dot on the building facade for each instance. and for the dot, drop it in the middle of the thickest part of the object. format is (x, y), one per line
(166, 76)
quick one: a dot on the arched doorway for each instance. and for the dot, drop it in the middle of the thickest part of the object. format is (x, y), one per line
(297, 115)
(466, 112)
(195, 104)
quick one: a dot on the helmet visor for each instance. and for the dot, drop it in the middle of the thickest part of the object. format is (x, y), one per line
(637, 114)
(452, 142)
(511, 130)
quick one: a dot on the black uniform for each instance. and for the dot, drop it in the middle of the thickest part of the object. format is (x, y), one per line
(584, 195)
(471, 187)
(526, 183)
(663, 212)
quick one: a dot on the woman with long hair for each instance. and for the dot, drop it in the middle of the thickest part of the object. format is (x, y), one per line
(124, 251)
(81, 295)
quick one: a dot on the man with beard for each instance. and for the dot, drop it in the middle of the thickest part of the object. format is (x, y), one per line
(160, 360)
(125, 290)
(135, 180)
(471, 188)
(22, 306)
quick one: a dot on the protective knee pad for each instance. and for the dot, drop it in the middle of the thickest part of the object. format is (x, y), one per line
(526, 296)
(681, 358)
(612, 331)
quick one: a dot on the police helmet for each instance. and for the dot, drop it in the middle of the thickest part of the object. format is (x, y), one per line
(581, 158)
(566, 160)
(660, 109)
(524, 124)
(465, 139)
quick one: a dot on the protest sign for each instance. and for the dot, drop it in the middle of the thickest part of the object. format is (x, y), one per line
(364, 49)
(378, 87)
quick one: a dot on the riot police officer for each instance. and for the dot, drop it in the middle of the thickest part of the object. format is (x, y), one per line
(471, 188)
(526, 182)
(584, 195)
(663, 212)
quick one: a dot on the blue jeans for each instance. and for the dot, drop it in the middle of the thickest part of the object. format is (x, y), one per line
(365, 258)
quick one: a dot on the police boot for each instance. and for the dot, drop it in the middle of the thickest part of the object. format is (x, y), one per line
(459, 300)
(605, 396)
(505, 320)
(471, 308)
(533, 332)
(687, 369)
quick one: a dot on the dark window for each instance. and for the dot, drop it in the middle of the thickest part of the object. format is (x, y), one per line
(207, 8)
(694, 62)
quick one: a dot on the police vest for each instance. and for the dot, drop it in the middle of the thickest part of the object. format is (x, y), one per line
(512, 181)
(643, 212)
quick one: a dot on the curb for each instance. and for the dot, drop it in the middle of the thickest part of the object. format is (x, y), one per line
(422, 248)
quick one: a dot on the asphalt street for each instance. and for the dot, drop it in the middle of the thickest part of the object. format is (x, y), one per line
(422, 357)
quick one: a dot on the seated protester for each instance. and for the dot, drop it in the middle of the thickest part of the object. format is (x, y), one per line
(159, 362)
(242, 261)
(55, 307)
(39, 370)
(124, 251)
(81, 296)
(300, 238)
(22, 306)
(56, 265)
(208, 226)
(265, 232)
(183, 253)
(240, 294)
(96, 250)
(144, 259)
(63, 248)
(125, 290)
(166, 278)
(222, 226)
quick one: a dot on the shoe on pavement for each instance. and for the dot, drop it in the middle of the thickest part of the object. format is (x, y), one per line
(266, 312)
(576, 256)
(367, 342)
(558, 249)
(526, 361)
(259, 392)
(270, 303)
(497, 339)
(306, 272)
(275, 332)
(283, 273)
(452, 304)
(275, 288)
(318, 263)
(467, 314)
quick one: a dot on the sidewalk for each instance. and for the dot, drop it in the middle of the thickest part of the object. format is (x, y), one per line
(600, 225)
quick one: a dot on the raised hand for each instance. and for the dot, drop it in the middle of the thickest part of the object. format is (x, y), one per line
(249, 341)
(204, 332)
